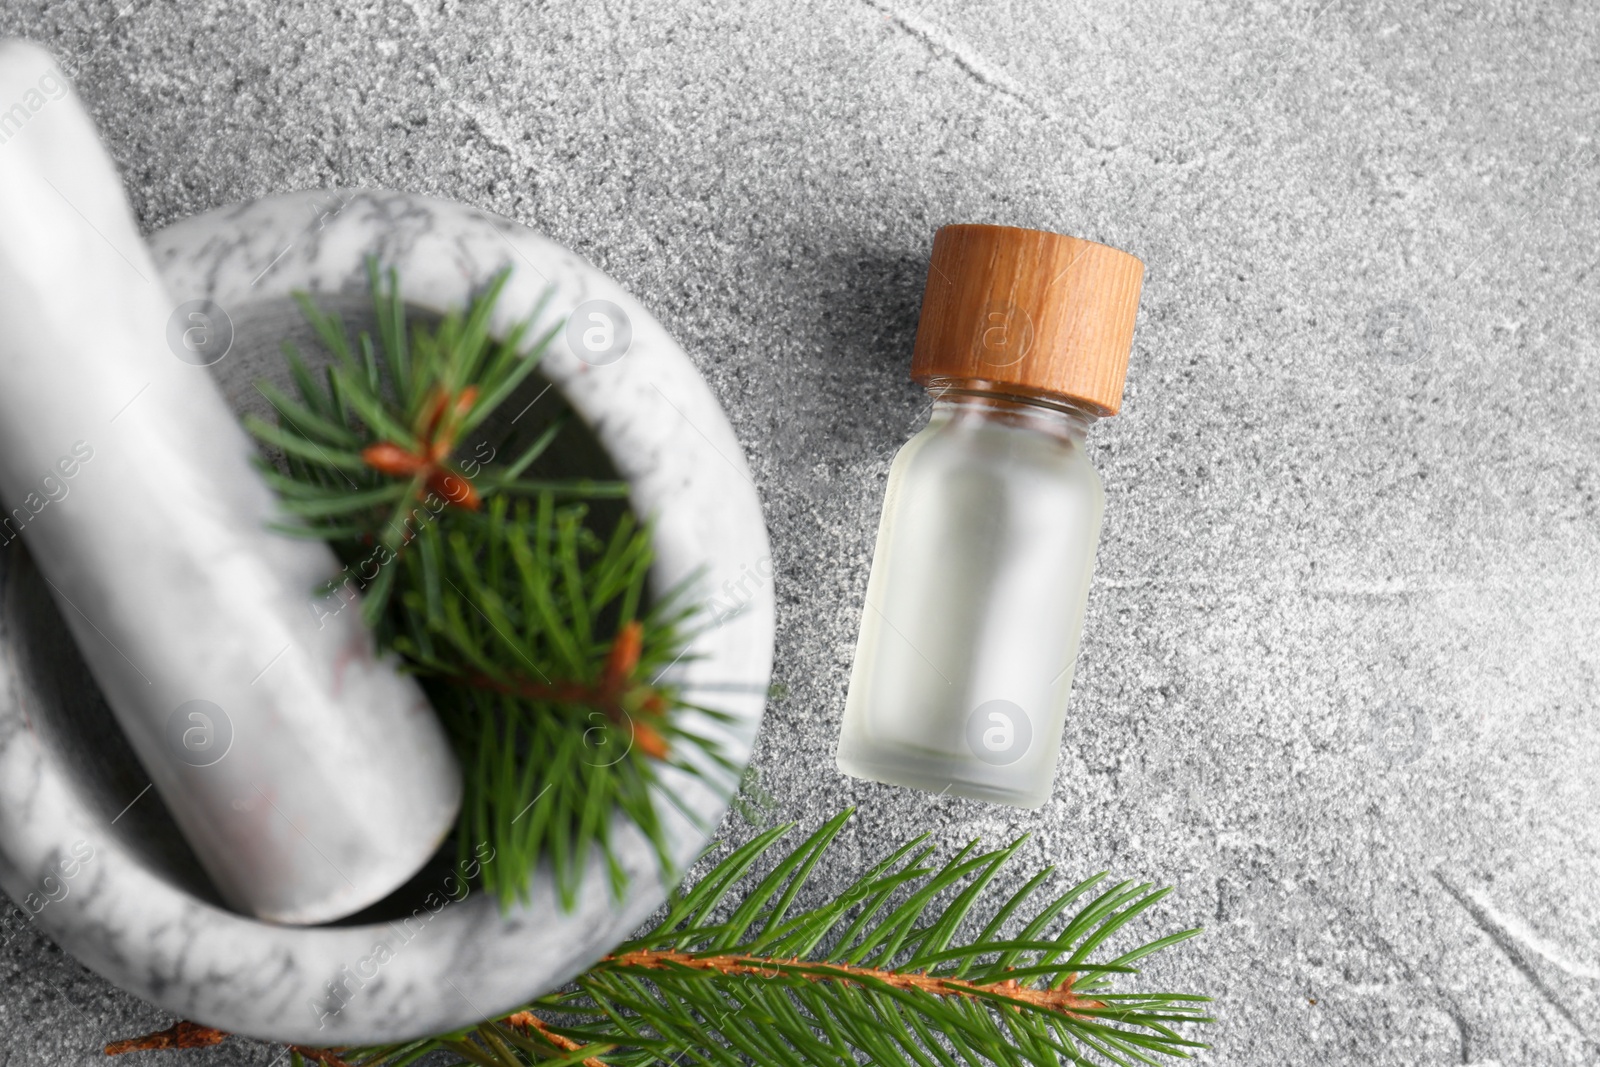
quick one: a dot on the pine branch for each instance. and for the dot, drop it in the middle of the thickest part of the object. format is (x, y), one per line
(535, 638)
(379, 437)
(880, 970)
(887, 970)
(526, 630)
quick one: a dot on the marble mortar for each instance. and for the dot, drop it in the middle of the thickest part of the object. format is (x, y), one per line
(433, 958)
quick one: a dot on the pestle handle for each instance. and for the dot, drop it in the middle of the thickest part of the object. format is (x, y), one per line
(310, 777)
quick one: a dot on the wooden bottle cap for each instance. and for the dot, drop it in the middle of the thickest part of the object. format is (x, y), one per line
(1028, 309)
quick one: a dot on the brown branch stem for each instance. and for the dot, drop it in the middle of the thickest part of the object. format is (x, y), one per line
(1062, 1001)
(180, 1035)
(186, 1034)
(527, 1020)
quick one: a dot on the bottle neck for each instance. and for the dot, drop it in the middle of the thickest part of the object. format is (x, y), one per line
(977, 398)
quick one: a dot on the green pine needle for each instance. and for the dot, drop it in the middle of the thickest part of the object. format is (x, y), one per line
(886, 971)
(534, 636)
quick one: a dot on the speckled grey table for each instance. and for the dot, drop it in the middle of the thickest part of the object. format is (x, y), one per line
(1339, 682)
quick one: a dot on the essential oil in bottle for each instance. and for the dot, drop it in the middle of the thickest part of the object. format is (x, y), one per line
(990, 521)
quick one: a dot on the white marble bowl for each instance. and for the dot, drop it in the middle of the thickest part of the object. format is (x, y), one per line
(89, 852)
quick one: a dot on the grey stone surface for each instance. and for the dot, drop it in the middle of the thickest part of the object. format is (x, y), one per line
(1339, 679)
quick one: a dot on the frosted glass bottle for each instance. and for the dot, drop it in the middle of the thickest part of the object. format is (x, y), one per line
(991, 518)
(975, 604)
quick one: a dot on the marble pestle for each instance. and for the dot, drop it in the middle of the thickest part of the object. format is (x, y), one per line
(309, 776)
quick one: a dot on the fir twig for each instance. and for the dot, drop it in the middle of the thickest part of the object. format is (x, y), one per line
(528, 634)
(535, 637)
(887, 971)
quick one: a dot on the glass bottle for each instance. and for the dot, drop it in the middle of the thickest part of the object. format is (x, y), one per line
(991, 517)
